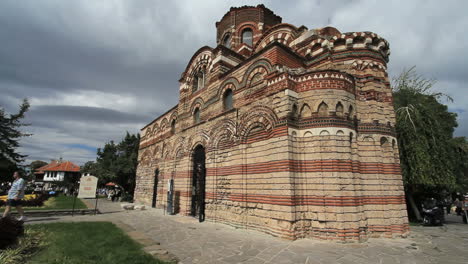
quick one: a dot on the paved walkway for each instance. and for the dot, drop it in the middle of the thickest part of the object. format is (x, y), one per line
(193, 242)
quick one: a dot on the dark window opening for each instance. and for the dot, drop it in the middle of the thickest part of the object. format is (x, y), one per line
(198, 80)
(173, 126)
(227, 41)
(228, 100)
(247, 36)
(196, 116)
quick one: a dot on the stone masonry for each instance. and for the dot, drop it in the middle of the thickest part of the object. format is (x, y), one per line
(297, 128)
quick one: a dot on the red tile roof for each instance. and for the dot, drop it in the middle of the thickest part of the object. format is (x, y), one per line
(60, 166)
(45, 167)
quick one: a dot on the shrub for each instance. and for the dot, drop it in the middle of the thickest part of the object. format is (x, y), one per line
(37, 200)
(32, 241)
(10, 230)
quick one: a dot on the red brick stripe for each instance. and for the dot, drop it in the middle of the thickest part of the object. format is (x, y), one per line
(306, 166)
(339, 201)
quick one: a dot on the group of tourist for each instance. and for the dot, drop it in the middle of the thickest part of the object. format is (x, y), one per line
(114, 194)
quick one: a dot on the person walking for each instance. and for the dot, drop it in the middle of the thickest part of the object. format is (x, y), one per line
(458, 204)
(15, 196)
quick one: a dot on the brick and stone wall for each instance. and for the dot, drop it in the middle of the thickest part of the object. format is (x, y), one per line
(309, 147)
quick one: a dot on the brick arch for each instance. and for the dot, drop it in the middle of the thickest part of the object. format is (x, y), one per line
(338, 42)
(257, 115)
(166, 150)
(263, 63)
(145, 157)
(179, 146)
(202, 57)
(200, 138)
(246, 25)
(283, 33)
(367, 139)
(318, 46)
(174, 116)
(258, 75)
(155, 151)
(156, 129)
(164, 124)
(178, 153)
(198, 102)
(224, 88)
(223, 129)
(146, 133)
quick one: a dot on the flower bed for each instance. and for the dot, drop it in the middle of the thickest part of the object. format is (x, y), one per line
(30, 200)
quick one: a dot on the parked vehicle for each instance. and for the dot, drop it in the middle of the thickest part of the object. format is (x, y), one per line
(432, 213)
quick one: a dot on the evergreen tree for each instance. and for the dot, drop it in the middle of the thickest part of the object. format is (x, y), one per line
(9, 140)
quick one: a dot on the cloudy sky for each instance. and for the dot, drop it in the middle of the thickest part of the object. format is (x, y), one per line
(93, 70)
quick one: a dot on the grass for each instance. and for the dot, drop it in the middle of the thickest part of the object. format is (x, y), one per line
(56, 203)
(88, 242)
(30, 243)
(63, 202)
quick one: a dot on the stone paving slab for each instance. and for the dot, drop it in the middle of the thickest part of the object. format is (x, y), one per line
(207, 242)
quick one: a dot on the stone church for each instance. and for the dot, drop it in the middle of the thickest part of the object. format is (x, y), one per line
(282, 129)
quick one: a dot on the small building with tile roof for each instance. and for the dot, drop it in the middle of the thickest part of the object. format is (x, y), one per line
(57, 171)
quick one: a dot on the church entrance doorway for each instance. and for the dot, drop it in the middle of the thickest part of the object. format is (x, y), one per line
(155, 188)
(198, 183)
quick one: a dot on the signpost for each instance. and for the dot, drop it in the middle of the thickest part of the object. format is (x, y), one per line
(87, 189)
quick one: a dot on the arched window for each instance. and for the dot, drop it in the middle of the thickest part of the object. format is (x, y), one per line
(196, 115)
(247, 36)
(195, 83)
(339, 109)
(227, 100)
(227, 41)
(199, 80)
(351, 112)
(305, 111)
(323, 109)
(383, 141)
(294, 111)
(173, 126)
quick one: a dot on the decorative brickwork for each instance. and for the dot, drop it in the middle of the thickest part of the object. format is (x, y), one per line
(308, 148)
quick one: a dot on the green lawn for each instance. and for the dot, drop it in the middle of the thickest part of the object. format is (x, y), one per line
(88, 242)
(59, 202)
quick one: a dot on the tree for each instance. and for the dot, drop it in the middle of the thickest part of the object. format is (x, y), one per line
(10, 134)
(425, 129)
(117, 163)
(127, 161)
(460, 145)
(36, 165)
(89, 167)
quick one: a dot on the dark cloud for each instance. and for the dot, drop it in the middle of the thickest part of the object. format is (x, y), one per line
(95, 69)
(53, 113)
